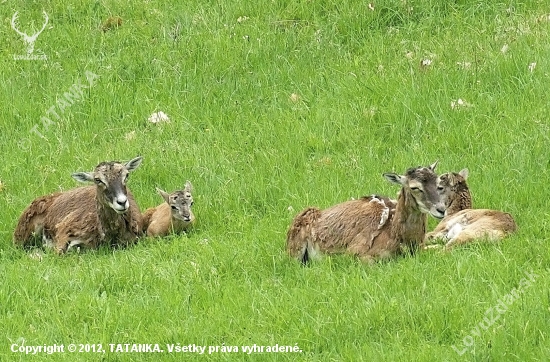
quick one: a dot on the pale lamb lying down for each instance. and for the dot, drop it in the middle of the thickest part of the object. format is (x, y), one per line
(85, 216)
(174, 215)
(462, 224)
(371, 227)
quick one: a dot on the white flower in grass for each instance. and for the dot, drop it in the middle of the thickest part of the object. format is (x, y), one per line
(425, 63)
(532, 66)
(464, 65)
(459, 103)
(504, 49)
(130, 135)
(371, 7)
(159, 117)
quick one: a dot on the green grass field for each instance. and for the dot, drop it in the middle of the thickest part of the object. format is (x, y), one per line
(276, 106)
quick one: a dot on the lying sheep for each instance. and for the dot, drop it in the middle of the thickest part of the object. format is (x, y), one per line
(370, 227)
(174, 215)
(85, 216)
(462, 224)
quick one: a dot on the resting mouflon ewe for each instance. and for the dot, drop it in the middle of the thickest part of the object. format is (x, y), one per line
(373, 226)
(463, 224)
(174, 215)
(86, 216)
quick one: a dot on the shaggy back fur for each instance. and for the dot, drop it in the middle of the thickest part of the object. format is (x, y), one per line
(91, 215)
(174, 215)
(370, 227)
(28, 231)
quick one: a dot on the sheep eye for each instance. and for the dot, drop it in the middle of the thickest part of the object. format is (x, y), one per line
(174, 207)
(98, 181)
(416, 189)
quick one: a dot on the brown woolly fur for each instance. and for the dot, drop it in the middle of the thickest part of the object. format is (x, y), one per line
(462, 224)
(370, 227)
(31, 222)
(87, 216)
(174, 215)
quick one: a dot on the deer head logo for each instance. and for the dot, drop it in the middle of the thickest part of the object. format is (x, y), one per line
(29, 40)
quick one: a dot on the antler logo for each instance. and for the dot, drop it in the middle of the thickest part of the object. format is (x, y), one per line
(29, 40)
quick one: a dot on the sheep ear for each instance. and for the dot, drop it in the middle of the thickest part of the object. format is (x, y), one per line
(188, 187)
(164, 195)
(133, 164)
(395, 178)
(434, 165)
(464, 173)
(83, 176)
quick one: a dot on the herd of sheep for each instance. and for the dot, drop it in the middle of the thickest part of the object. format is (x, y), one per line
(372, 227)
(375, 227)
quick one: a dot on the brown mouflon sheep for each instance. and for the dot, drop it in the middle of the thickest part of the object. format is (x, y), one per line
(86, 216)
(370, 227)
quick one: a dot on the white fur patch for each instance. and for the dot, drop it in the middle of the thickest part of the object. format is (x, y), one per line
(313, 251)
(74, 243)
(47, 243)
(454, 231)
(384, 217)
(385, 212)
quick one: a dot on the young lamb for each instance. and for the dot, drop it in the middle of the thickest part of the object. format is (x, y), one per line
(463, 224)
(86, 216)
(373, 226)
(174, 215)
(456, 193)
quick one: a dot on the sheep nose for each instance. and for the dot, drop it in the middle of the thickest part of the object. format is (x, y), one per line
(122, 202)
(441, 209)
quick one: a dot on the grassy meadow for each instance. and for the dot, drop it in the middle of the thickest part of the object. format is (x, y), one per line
(275, 106)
